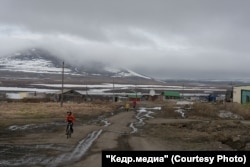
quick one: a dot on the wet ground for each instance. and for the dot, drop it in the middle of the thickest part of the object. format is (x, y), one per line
(19, 147)
(45, 144)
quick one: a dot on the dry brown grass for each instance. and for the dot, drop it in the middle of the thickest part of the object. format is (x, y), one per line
(168, 110)
(19, 112)
(204, 110)
(242, 110)
(211, 110)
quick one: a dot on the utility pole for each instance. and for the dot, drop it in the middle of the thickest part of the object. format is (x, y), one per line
(232, 92)
(183, 91)
(86, 93)
(62, 83)
(136, 89)
(113, 91)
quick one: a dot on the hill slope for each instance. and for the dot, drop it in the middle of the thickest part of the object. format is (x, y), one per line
(40, 64)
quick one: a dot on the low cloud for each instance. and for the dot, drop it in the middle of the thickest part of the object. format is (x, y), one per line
(163, 39)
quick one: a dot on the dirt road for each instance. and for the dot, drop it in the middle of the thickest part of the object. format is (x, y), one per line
(45, 144)
(113, 137)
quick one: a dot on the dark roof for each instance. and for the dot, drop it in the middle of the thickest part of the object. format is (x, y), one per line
(67, 91)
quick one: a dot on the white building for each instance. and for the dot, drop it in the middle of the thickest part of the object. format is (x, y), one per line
(241, 94)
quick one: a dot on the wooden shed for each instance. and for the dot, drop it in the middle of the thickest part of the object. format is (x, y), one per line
(68, 95)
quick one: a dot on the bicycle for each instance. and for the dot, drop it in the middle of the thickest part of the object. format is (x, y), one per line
(69, 130)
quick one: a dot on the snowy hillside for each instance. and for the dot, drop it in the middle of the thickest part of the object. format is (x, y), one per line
(42, 62)
(29, 63)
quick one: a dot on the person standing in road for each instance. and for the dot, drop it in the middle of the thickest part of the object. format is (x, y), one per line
(127, 106)
(134, 104)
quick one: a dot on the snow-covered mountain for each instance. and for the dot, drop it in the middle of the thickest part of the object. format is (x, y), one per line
(42, 62)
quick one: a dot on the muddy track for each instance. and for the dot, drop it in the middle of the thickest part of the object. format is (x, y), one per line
(45, 144)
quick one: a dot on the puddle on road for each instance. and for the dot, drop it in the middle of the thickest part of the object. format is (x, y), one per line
(77, 153)
(142, 114)
(33, 126)
(106, 123)
(101, 120)
(36, 154)
(50, 155)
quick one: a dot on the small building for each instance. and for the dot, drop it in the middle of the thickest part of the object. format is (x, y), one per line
(34, 97)
(241, 94)
(134, 97)
(152, 95)
(171, 95)
(14, 96)
(68, 95)
(27, 97)
(146, 97)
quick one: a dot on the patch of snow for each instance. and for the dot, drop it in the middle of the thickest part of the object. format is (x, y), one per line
(106, 123)
(228, 114)
(132, 73)
(112, 69)
(37, 65)
(130, 86)
(142, 114)
(134, 129)
(180, 111)
(195, 94)
(184, 103)
(23, 89)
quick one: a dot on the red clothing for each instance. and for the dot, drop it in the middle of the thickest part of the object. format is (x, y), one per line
(70, 118)
(134, 103)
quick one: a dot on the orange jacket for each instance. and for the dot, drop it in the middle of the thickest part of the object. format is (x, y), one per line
(70, 118)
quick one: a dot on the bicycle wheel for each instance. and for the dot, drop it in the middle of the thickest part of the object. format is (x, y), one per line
(68, 133)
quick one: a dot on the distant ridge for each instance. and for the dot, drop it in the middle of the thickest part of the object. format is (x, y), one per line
(41, 61)
(35, 64)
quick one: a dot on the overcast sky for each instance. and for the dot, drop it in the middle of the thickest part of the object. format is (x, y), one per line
(159, 38)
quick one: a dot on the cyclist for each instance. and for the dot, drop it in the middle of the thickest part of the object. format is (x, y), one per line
(70, 119)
